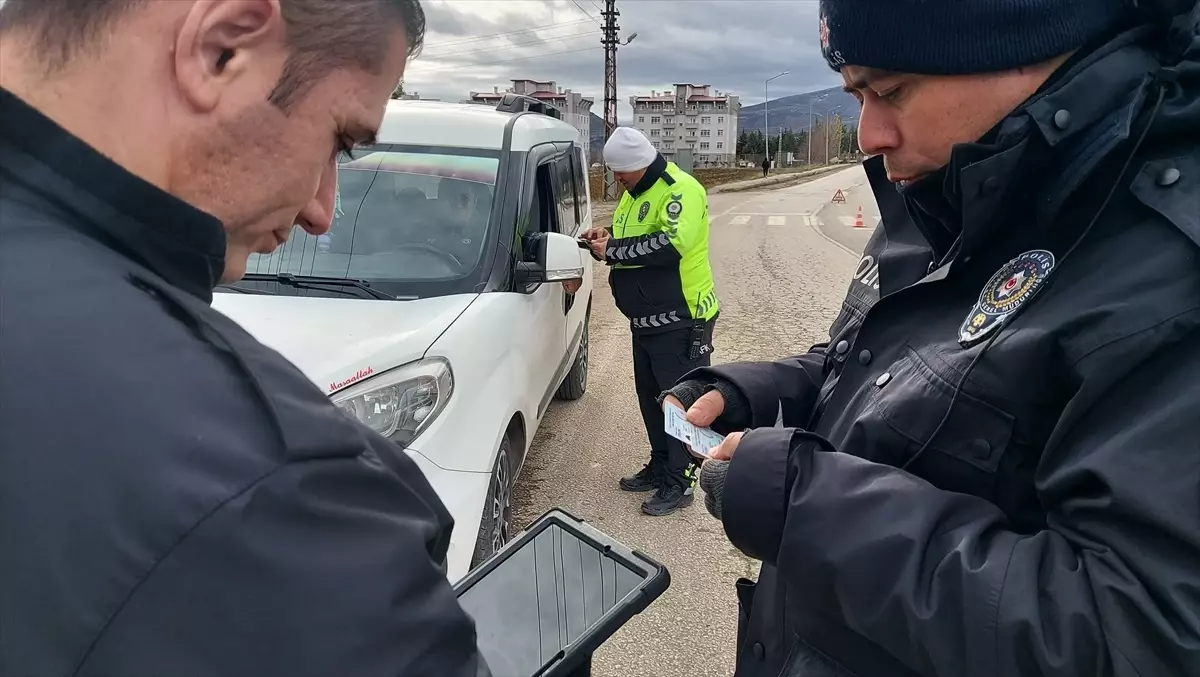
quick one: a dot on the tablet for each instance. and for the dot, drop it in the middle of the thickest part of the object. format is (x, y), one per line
(554, 594)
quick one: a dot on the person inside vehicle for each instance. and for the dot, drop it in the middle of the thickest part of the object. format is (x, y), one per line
(175, 497)
(991, 467)
(459, 230)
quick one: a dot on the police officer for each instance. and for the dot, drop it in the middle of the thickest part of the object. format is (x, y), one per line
(993, 466)
(661, 280)
(176, 498)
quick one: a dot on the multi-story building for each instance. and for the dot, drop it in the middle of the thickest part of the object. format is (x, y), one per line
(692, 117)
(576, 108)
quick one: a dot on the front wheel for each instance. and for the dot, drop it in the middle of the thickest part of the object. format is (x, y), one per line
(495, 527)
(575, 384)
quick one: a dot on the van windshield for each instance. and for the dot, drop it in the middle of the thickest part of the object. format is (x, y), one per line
(402, 216)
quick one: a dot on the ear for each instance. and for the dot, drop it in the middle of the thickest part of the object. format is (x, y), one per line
(221, 41)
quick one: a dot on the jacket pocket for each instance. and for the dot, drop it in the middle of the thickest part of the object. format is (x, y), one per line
(914, 402)
(745, 597)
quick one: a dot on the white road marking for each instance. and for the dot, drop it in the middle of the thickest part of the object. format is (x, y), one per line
(847, 220)
(776, 220)
(740, 220)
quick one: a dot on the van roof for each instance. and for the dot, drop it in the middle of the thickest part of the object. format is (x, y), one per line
(466, 125)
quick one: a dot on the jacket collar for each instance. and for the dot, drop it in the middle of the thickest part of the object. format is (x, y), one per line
(654, 172)
(92, 194)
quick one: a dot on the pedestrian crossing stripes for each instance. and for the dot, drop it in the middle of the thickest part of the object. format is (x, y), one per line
(791, 219)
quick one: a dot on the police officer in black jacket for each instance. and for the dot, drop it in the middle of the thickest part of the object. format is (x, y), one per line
(993, 466)
(175, 498)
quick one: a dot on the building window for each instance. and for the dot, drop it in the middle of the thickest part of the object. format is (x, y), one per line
(641, 118)
(719, 145)
(654, 143)
(668, 132)
(720, 132)
(669, 121)
(653, 132)
(705, 121)
(705, 132)
(655, 120)
(703, 145)
(720, 120)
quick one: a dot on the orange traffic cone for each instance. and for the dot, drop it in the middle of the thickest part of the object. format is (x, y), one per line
(858, 222)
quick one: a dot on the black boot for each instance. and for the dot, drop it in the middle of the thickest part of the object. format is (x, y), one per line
(644, 480)
(667, 499)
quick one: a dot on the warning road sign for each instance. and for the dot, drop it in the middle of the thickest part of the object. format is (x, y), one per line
(839, 197)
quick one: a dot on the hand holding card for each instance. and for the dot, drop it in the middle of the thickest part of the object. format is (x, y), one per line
(700, 441)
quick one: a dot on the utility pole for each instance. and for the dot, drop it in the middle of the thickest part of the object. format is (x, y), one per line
(810, 133)
(609, 41)
(766, 110)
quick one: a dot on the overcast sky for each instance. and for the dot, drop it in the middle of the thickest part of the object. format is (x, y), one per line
(733, 45)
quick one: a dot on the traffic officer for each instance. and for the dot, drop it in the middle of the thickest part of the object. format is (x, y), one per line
(661, 280)
(992, 467)
(175, 497)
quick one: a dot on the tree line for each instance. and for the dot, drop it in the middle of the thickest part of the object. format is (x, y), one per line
(834, 135)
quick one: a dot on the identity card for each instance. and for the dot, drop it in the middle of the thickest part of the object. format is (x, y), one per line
(701, 440)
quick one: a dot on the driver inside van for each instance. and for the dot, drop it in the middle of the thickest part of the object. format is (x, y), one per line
(463, 219)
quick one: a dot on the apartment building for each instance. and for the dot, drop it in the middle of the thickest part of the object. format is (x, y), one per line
(576, 108)
(693, 117)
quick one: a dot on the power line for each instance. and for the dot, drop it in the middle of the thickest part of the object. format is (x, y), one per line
(521, 58)
(585, 13)
(511, 45)
(507, 33)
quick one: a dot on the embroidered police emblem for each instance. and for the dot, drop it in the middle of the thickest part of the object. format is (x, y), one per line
(1010, 288)
(643, 211)
(674, 208)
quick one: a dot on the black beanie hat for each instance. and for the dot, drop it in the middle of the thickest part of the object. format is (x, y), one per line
(959, 37)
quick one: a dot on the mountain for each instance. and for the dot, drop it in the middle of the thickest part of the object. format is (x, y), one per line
(791, 112)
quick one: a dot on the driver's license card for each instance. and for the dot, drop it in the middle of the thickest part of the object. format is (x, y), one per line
(701, 440)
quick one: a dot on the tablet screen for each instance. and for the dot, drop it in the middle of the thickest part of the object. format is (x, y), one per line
(541, 598)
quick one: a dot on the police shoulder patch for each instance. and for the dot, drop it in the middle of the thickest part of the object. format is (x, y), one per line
(1010, 288)
(643, 211)
(674, 208)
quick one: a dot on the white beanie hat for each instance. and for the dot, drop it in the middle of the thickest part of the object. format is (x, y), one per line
(628, 150)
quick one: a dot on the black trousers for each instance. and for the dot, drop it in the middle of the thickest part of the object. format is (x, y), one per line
(659, 361)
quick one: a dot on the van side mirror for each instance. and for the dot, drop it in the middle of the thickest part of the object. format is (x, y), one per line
(557, 258)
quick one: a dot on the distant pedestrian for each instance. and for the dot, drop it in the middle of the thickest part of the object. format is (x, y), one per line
(766, 165)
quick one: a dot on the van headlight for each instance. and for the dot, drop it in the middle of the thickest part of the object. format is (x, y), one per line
(399, 404)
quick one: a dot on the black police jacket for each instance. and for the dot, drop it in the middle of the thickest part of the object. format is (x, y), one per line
(175, 498)
(1011, 484)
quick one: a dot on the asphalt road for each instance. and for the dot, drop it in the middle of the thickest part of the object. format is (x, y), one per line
(782, 261)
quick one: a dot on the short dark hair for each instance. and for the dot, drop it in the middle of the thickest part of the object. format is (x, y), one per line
(324, 34)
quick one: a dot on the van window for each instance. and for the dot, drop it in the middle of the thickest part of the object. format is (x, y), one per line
(402, 216)
(568, 214)
(579, 171)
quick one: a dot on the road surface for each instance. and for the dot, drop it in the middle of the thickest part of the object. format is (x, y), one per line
(782, 261)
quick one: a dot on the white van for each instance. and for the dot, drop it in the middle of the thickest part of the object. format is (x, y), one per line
(434, 310)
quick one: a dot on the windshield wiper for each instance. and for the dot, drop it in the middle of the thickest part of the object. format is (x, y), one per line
(316, 282)
(245, 290)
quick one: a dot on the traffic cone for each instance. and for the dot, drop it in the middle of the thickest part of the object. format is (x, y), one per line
(858, 222)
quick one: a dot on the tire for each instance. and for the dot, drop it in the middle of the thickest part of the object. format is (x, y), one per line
(574, 385)
(495, 528)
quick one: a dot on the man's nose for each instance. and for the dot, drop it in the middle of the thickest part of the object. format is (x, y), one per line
(317, 215)
(876, 133)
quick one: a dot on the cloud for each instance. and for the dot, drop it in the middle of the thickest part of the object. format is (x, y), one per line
(733, 45)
